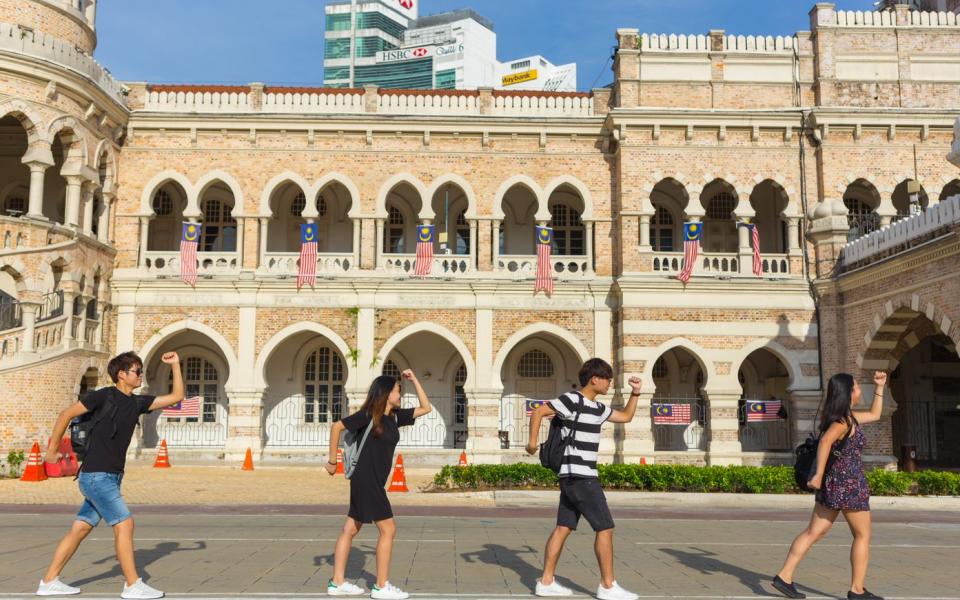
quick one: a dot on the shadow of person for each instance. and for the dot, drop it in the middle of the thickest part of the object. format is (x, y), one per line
(143, 558)
(705, 562)
(356, 563)
(510, 558)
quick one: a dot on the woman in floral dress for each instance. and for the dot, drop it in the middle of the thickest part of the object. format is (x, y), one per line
(842, 488)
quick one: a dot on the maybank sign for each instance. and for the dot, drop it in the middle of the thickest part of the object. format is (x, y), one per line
(401, 54)
(515, 78)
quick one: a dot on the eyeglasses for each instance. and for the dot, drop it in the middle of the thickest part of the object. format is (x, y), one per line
(137, 372)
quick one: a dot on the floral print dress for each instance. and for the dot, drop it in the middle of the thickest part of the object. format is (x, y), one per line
(845, 486)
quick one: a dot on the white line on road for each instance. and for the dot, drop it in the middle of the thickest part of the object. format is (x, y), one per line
(784, 544)
(434, 596)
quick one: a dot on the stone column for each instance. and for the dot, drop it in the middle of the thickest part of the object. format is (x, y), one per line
(245, 398)
(793, 236)
(745, 251)
(378, 244)
(357, 242)
(483, 423)
(264, 228)
(144, 233)
(474, 262)
(496, 243)
(37, 170)
(588, 246)
(636, 441)
(82, 323)
(644, 233)
(68, 297)
(87, 204)
(103, 223)
(72, 206)
(98, 338)
(723, 447)
(28, 314)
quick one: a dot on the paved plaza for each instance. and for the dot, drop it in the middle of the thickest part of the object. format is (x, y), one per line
(483, 552)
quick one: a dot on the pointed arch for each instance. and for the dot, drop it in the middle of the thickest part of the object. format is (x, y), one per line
(540, 327)
(259, 376)
(580, 187)
(276, 183)
(693, 348)
(460, 182)
(158, 181)
(165, 333)
(29, 119)
(437, 329)
(212, 178)
(412, 181)
(506, 186)
(336, 177)
(790, 361)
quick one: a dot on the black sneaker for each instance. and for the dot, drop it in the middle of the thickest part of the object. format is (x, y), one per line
(866, 595)
(788, 589)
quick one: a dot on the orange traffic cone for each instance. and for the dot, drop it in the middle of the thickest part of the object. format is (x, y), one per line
(339, 470)
(248, 461)
(463, 459)
(398, 483)
(163, 459)
(643, 460)
(34, 469)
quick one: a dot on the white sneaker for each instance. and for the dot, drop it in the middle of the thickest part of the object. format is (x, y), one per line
(140, 590)
(388, 592)
(56, 588)
(614, 592)
(344, 589)
(554, 589)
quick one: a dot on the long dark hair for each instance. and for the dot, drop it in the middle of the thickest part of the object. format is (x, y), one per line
(838, 406)
(376, 402)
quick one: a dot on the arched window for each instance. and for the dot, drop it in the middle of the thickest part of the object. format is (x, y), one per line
(219, 227)
(660, 369)
(16, 206)
(321, 206)
(299, 203)
(721, 206)
(200, 378)
(162, 203)
(568, 233)
(394, 233)
(661, 230)
(535, 363)
(860, 217)
(323, 377)
(460, 396)
(390, 369)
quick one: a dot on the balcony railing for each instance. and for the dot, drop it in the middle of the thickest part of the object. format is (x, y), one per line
(443, 265)
(328, 263)
(167, 263)
(526, 265)
(51, 306)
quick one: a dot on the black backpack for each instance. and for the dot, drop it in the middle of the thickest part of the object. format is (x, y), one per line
(806, 465)
(552, 450)
(81, 427)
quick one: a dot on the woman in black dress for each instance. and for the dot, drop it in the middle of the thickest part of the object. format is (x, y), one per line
(844, 487)
(368, 498)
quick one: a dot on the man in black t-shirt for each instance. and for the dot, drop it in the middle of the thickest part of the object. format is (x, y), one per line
(116, 412)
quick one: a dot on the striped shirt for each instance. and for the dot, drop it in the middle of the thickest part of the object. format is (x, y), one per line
(580, 457)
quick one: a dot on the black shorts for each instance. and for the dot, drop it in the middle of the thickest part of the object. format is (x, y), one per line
(583, 496)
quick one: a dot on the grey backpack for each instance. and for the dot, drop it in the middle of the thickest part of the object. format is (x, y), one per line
(352, 445)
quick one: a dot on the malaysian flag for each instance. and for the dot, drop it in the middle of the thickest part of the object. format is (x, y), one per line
(188, 253)
(671, 414)
(188, 407)
(691, 244)
(424, 262)
(544, 267)
(757, 261)
(765, 410)
(533, 405)
(307, 271)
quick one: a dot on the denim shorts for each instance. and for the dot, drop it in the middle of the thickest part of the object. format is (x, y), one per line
(583, 496)
(102, 499)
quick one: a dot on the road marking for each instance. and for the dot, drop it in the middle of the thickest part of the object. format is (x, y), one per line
(434, 596)
(276, 540)
(787, 544)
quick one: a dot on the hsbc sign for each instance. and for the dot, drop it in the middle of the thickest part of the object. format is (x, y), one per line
(401, 54)
(407, 8)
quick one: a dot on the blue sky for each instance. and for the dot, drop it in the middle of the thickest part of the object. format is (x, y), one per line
(281, 41)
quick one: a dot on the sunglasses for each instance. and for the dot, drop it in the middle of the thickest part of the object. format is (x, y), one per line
(137, 372)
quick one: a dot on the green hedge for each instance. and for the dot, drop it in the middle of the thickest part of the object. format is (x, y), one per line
(687, 478)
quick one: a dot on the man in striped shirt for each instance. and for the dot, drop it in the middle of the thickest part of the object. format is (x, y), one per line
(580, 491)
